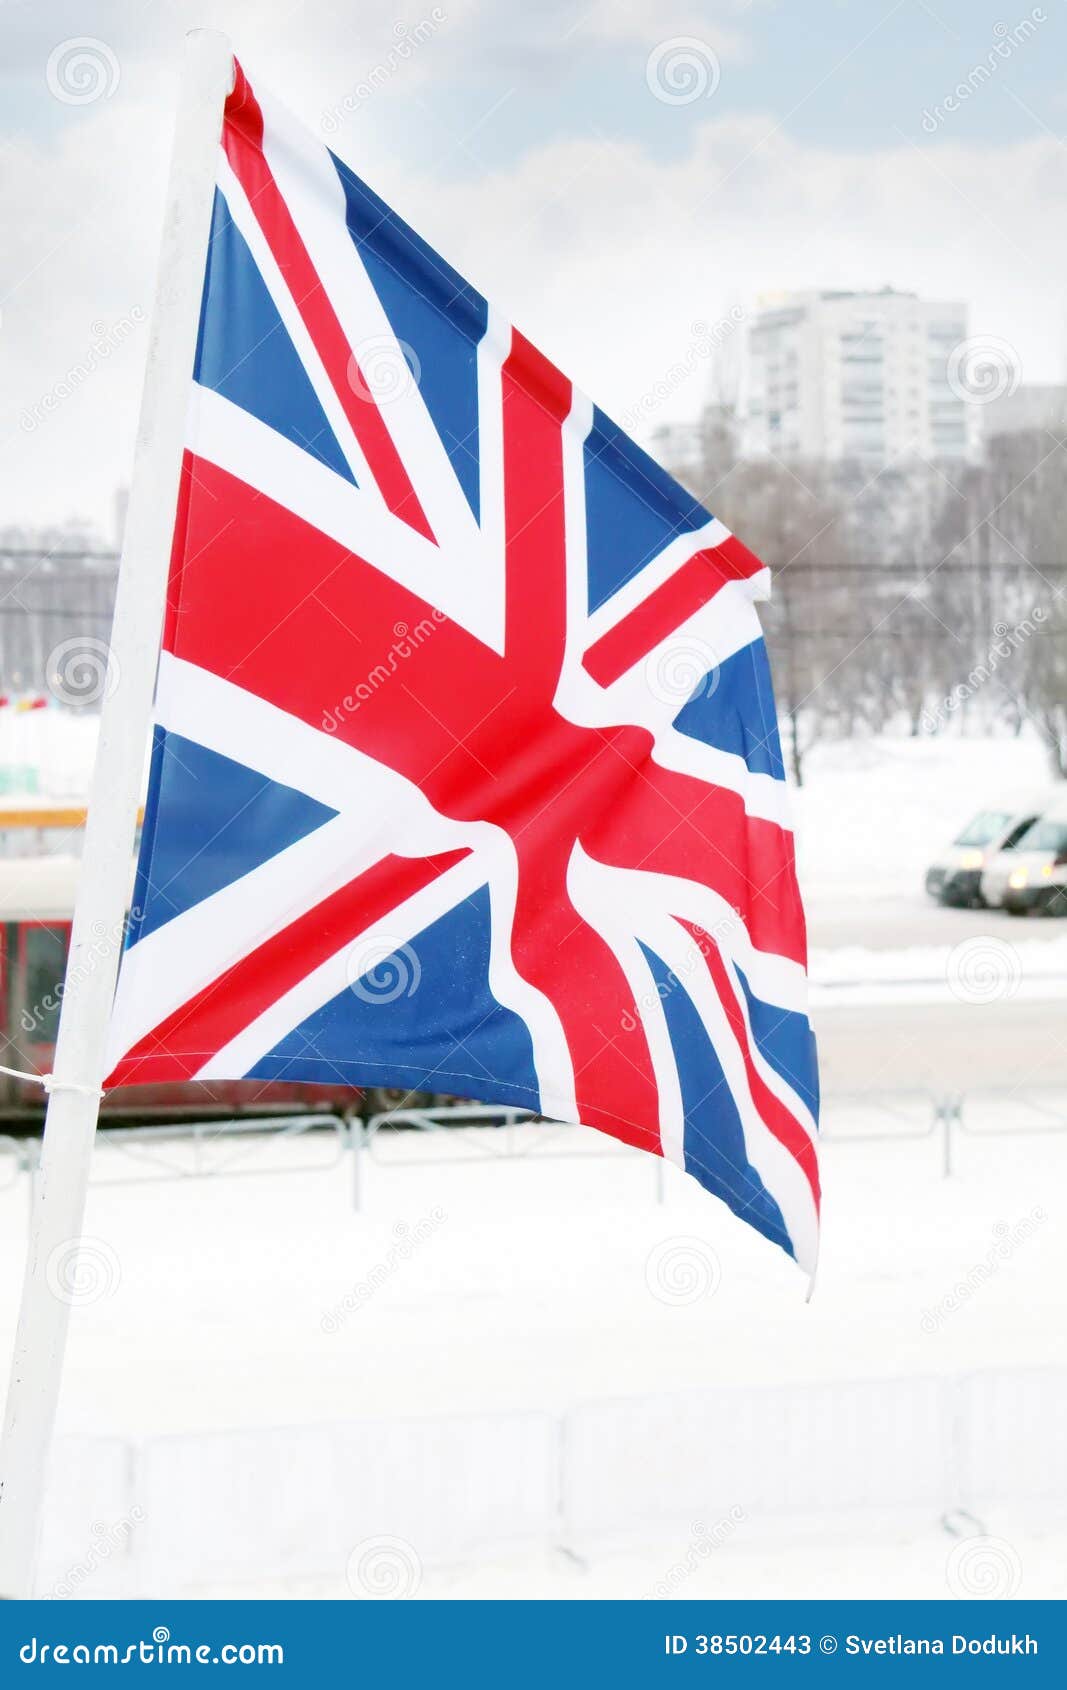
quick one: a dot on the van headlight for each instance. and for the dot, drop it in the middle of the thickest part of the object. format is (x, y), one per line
(972, 859)
(1017, 879)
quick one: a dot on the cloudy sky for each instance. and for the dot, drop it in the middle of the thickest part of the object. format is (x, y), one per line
(610, 172)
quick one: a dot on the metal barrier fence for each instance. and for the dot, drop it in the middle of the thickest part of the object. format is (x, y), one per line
(228, 1149)
(986, 1112)
(212, 1149)
(858, 1118)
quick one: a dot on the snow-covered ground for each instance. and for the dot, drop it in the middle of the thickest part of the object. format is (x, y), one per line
(515, 1370)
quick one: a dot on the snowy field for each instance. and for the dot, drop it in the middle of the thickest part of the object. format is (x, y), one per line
(529, 1363)
(515, 1371)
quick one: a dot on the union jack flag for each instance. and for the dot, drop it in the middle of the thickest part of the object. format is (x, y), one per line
(466, 773)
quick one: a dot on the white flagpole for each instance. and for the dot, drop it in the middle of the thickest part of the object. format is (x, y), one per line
(104, 884)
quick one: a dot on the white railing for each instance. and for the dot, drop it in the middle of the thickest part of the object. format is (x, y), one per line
(252, 1508)
(226, 1149)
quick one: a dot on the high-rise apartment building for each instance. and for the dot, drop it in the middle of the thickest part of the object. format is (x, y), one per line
(867, 376)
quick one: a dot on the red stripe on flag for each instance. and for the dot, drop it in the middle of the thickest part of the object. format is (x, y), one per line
(674, 602)
(670, 823)
(196, 1032)
(242, 138)
(772, 1111)
(552, 947)
(536, 400)
(491, 750)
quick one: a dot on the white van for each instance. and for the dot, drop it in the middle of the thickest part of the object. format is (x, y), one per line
(1033, 876)
(956, 876)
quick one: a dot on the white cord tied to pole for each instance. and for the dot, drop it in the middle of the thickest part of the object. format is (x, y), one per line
(51, 1084)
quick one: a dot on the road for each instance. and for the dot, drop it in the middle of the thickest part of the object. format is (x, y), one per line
(1015, 1041)
(893, 922)
(954, 1047)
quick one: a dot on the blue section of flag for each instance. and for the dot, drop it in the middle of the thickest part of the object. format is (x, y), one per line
(431, 310)
(245, 353)
(633, 509)
(733, 710)
(221, 820)
(787, 1044)
(425, 1018)
(715, 1152)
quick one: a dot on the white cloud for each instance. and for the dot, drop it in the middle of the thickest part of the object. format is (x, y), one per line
(604, 255)
(607, 257)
